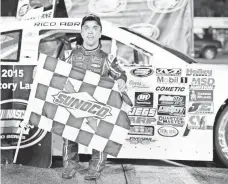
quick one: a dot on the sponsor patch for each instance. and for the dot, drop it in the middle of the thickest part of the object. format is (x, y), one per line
(197, 122)
(10, 125)
(138, 84)
(198, 72)
(203, 81)
(77, 102)
(201, 95)
(171, 120)
(143, 99)
(142, 111)
(167, 88)
(178, 100)
(168, 71)
(140, 140)
(168, 131)
(141, 72)
(140, 120)
(200, 87)
(12, 114)
(172, 80)
(141, 130)
(201, 107)
(171, 110)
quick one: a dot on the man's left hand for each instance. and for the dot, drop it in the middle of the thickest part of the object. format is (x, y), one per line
(121, 85)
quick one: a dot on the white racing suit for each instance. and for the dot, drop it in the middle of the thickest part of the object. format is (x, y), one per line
(99, 62)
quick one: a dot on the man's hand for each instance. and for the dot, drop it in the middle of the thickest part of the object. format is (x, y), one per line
(121, 85)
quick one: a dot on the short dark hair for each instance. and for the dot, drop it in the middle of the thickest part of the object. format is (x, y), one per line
(91, 17)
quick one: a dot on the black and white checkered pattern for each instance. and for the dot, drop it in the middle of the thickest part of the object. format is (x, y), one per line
(55, 76)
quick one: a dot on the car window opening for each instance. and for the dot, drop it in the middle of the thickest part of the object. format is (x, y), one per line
(173, 51)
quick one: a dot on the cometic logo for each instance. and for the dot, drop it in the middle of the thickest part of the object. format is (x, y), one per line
(141, 72)
(163, 88)
(165, 6)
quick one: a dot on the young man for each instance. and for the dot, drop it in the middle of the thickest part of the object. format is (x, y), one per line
(91, 57)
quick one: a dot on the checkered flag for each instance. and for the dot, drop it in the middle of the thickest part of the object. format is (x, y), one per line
(78, 105)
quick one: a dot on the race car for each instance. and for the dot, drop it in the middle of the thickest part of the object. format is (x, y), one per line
(179, 108)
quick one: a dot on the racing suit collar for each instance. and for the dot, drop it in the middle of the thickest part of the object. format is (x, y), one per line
(91, 52)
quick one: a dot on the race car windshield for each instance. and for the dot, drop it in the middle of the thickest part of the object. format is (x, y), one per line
(173, 51)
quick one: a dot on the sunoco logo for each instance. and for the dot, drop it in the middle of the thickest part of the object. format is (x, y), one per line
(83, 102)
(141, 72)
(143, 97)
(11, 114)
(165, 6)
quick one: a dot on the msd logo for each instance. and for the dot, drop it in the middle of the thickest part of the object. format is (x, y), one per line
(143, 99)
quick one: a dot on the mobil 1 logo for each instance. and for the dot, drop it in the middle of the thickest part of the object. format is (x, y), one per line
(172, 80)
(143, 99)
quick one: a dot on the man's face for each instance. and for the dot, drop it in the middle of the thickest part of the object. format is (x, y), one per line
(91, 32)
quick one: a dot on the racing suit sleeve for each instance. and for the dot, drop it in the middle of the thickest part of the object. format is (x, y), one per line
(114, 70)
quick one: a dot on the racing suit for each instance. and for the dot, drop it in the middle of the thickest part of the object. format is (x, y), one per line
(99, 62)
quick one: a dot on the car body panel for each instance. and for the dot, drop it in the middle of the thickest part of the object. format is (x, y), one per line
(166, 134)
